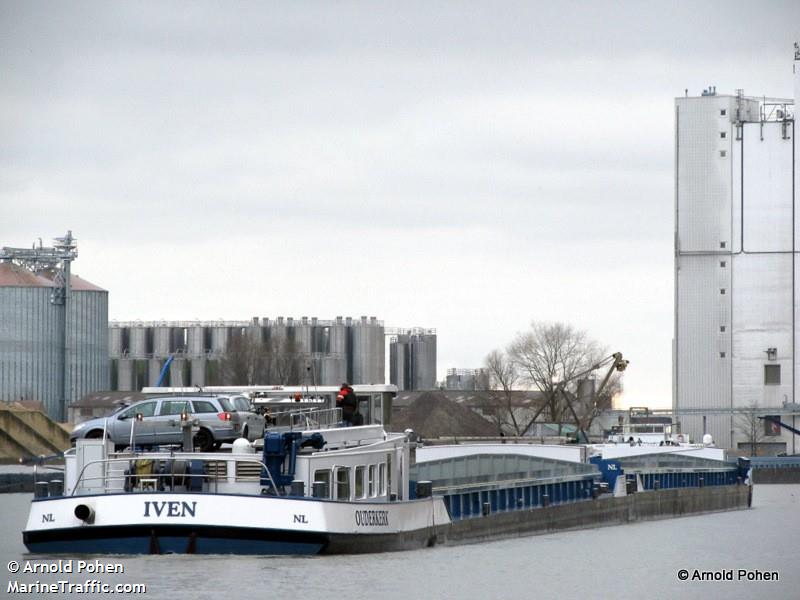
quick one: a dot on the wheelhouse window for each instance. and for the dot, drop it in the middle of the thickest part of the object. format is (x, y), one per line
(382, 479)
(343, 483)
(323, 476)
(360, 472)
(372, 487)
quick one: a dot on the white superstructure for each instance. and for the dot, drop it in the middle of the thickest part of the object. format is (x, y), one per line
(737, 284)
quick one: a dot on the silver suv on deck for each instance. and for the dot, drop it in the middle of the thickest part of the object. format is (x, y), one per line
(220, 419)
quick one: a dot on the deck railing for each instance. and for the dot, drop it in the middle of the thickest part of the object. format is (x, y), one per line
(154, 472)
(305, 419)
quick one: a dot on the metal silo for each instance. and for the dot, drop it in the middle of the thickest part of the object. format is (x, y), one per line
(277, 334)
(31, 353)
(87, 339)
(412, 356)
(138, 341)
(162, 335)
(332, 370)
(198, 368)
(178, 371)
(196, 341)
(114, 340)
(53, 328)
(219, 338)
(367, 352)
(125, 368)
(154, 366)
(398, 362)
(423, 347)
(302, 336)
(337, 338)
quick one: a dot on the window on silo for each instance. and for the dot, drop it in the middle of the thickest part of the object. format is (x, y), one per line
(722, 328)
(723, 264)
(772, 374)
(722, 355)
(723, 153)
(723, 112)
(723, 134)
(722, 244)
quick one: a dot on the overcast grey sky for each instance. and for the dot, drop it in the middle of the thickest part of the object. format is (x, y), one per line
(462, 165)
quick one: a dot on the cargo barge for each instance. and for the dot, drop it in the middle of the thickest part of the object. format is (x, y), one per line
(319, 484)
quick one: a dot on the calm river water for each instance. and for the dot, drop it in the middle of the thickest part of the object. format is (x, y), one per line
(639, 561)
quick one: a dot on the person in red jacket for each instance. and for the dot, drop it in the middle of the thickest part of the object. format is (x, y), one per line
(347, 401)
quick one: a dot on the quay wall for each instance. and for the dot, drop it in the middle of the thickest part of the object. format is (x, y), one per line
(604, 511)
(783, 475)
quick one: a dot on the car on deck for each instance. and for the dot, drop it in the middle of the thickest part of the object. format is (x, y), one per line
(158, 421)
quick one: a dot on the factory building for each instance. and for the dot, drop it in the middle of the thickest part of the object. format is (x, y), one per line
(412, 359)
(53, 328)
(305, 351)
(467, 379)
(737, 277)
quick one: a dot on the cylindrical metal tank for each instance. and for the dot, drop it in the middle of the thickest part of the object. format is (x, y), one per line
(196, 341)
(178, 371)
(32, 342)
(367, 351)
(219, 339)
(114, 341)
(424, 361)
(198, 368)
(154, 366)
(332, 370)
(31, 346)
(302, 336)
(87, 335)
(337, 338)
(277, 334)
(125, 368)
(161, 341)
(398, 365)
(138, 341)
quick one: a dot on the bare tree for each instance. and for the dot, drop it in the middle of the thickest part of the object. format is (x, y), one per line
(245, 361)
(286, 362)
(503, 377)
(251, 361)
(752, 428)
(550, 357)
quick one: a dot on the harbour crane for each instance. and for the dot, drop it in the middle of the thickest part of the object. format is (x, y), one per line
(615, 363)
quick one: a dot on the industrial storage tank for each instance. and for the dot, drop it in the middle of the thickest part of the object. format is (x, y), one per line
(337, 338)
(125, 373)
(219, 338)
(87, 339)
(198, 370)
(332, 370)
(33, 352)
(138, 341)
(367, 351)
(31, 356)
(303, 335)
(162, 338)
(114, 341)
(196, 341)
(154, 366)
